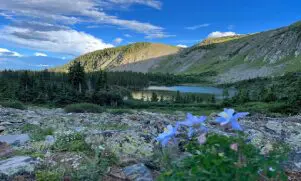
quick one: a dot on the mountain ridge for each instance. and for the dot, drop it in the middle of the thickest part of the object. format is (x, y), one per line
(113, 58)
(233, 58)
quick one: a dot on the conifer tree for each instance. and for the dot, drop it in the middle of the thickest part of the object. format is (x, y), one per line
(77, 76)
(154, 97)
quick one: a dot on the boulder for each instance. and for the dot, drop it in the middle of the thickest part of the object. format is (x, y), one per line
(275, 126)
(49, 140)
(5, 149)
(2, 128)
(16, 165)
(117, 173)
(138, 172)
(15, 139)
(5, 123)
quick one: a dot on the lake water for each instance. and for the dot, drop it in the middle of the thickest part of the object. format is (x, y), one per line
(169, 91)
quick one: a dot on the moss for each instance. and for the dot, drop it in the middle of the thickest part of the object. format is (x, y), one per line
(130, 144)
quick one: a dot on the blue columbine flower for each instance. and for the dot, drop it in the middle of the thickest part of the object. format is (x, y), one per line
(228, 117)
(168, 133)
(194, 122)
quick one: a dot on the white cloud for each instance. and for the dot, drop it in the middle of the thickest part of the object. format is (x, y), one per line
(62, 41)
(39, 54)
(7, 53)
(117, 41)
(128, 35)
(195, 27)
(158, 35)
(76, 11)
(150, 3)
(182, 46)
(218, 34)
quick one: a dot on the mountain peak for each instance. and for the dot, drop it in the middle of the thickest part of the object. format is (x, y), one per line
(120, 57)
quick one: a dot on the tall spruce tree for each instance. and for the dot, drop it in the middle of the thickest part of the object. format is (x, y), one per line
(154, 97)
(77, 76)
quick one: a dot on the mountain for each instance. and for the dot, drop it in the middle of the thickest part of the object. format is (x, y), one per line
(234, 58)
(125, 58)
(269, 53)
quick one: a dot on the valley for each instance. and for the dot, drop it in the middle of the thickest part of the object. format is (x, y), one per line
(227, 107)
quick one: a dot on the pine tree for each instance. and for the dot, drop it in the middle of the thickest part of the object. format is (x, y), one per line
(77, 76)
(213, 100)
(225, 93)
(102, 81)
(178, 98)
(154, 97)
(162, 98)
(26, 87)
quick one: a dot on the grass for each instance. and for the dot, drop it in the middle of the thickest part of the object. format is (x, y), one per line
(36, 132)
(120, 111)
(84, 108)
(45, 175)
(13, 104)
(71, 142)
(273, 108)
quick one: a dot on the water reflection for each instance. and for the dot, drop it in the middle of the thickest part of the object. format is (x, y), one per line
(169, 93)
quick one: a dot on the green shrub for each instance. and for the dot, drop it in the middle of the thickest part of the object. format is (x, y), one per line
(36, 132)
(121, 111)
(71, 142)
(84, 108)
(97, 167)
(48, 176)
(13, 104)
(216, 160)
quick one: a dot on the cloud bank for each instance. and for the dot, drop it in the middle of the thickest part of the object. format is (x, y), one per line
(218, 34)
(48, 24)
(8, 53)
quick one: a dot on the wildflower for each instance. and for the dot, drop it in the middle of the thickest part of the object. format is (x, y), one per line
(100, 147)
(193, 122)
(271, 169)
(168, 133)
(202, 138)
(228, 117)
(234, 147)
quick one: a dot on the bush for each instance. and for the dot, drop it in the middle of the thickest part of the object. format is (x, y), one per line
(95, 168)
(121, 111)
(13, 104)
(48, 176)
(110, 98)
(217, 160)
(84, 108)
(36, 132)
(71, 142)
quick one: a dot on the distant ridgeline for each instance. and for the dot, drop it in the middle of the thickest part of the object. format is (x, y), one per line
(233, 58)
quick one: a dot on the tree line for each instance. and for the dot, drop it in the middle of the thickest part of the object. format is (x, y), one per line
(102, 87)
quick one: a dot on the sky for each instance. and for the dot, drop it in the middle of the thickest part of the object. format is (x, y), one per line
(44, 33)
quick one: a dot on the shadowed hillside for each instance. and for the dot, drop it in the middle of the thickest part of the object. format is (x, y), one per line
(233, 58)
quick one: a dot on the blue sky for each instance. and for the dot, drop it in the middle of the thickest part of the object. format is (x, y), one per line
(67, 28)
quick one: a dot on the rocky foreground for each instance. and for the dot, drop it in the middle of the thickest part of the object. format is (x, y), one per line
(130, 136)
